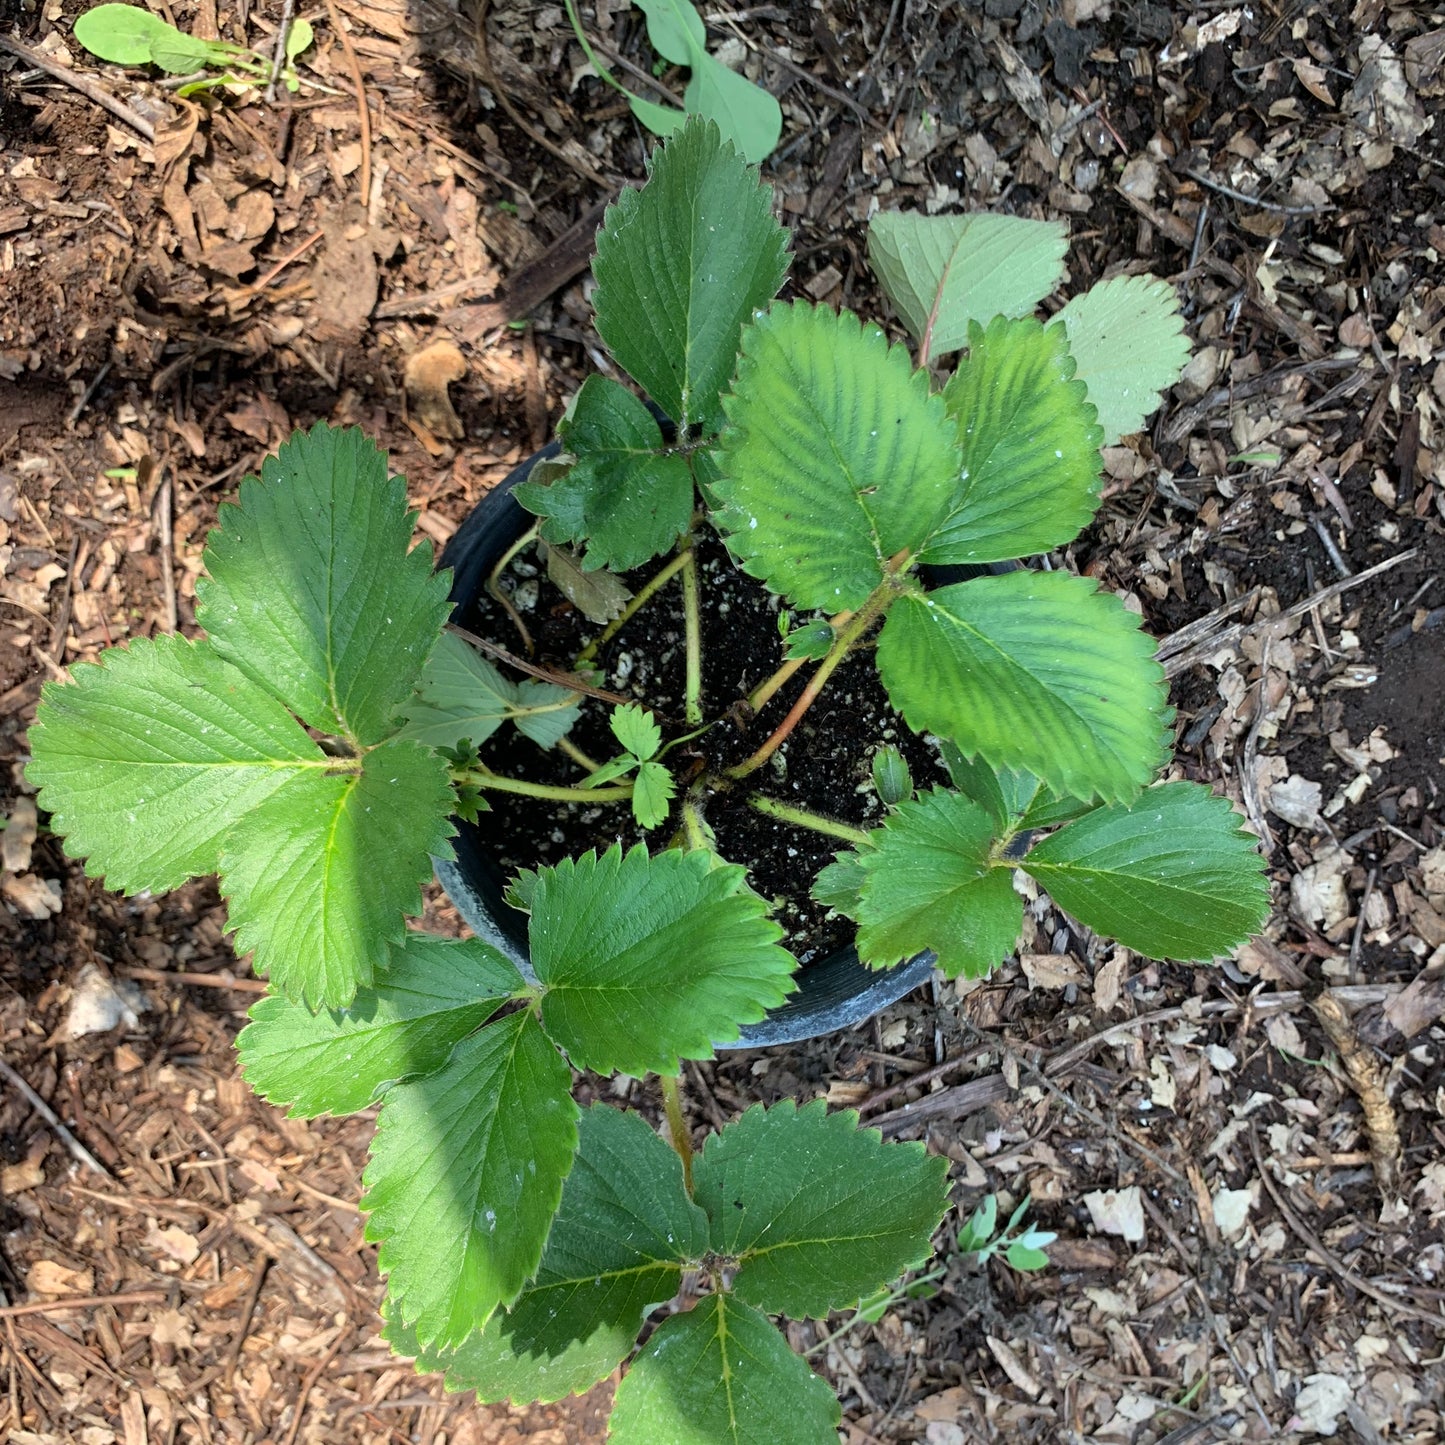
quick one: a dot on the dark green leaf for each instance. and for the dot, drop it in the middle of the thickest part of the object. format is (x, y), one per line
(646, 961)
(681, 265)
(837, 885)
(817, 1211)
(434, 992)
(1031, 462)
(1005, 794)
(931, 884)
(835, 457)
(1034, 670)
(465, 1176)
(721, 1375)
(1171, 875)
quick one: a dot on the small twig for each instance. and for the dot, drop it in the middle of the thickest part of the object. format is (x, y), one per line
(363, 110)
(278, 55)
(77, 1149)
(1331, 549)
(84, 84)
(546, 674)
(1248, 778)
(268, 277)
(88, 395)
(45, 1307)
(1358, 936)
(164, 545)
(316, 1371)
(197, 980)
(233, 1355)
(692, 631)
(1283, 210)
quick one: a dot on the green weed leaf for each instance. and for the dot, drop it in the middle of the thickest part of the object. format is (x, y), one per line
(930, 884)
(465, 1175)
(835, 457)
(722, 1375)
(681, 265)
(319, 877)
(434, 992)
(621, 496)
(624, 1227)
(1031, 463)
(1033, 670)
(313, 591)
(943, 272)
(817, 1211)
(147, 760)
(128, 35)
(1128, 339)
(646, 961)
(1171, 875)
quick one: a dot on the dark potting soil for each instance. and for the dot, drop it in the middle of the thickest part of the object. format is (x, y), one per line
(824, 767)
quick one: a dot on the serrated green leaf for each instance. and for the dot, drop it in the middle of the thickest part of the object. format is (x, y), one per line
(433, 993)
(942, 272)
(1005, 794)
(147, 760)
(545, 711)
(837, 885)
(1032, 670)
(1127, 336)
(314, 589)
(1171, 875)
(624, 1226)
(835, 457)
(637, 730)
(465, 1176)
(319, 878)
(930, 884)
(721, 1375)
(1031, 463)
(622, 497)
(646, 961)
(599, 596)
(652, 794)
(681, 265)
(817, 1211)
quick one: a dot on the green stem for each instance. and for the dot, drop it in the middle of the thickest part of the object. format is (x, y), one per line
(879, 601)
(645, 594)
(677, 1127)
(692, 828)
(495, 591)
(802, 818)
(485, 778)
(577, 755)
(692, 631)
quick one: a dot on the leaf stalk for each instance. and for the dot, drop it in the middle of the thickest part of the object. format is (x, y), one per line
(692, 632)
(677, 1127)
(803, 818)
(480, 777)
(645, 594)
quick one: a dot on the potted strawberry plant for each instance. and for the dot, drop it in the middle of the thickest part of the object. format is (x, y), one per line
(315, 747)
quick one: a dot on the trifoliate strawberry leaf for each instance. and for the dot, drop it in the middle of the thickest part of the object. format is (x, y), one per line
(835, 457)
(623, 497)
(462, 697)
(817, 1211)
(681, 265)
(434, 992)
(147, 760)
(646, 961)
(721, 1375)
(313, 591)
(942, 272)
(465, 1175)
(652, 794)
(637, 730)
(930, 883)
(616, 1250)
(320, 876)
(1032, 670)
(1031, 463)
(1128, 339)
(1171, 875)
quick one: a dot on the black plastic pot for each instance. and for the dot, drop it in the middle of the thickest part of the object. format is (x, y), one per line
(837, 993)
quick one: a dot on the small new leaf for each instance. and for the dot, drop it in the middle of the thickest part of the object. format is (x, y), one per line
(622, 497)
(817, 1212)
(621, 1235)
(681, 265)
(891, 778)
(809, 643)
(315, 590)
(1171, 875)
(943, 272)
(1034, 670)
(1128, 339)
(637, 730)
(836, 457)
(652, 794)
(646, 961)
(930, 884)
(721, 1375)
(465, 1176)
(335, 1061)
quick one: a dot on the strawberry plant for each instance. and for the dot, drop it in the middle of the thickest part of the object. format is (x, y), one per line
(313, 748)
